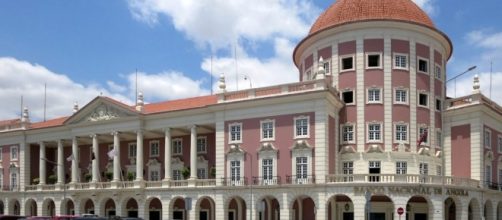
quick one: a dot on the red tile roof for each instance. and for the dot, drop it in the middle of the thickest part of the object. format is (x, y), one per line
(10, 122)
(181, 104)
(49, 123)
(346, 11)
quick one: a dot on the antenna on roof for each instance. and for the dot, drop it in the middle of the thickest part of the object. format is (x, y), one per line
(491, 69)
(21, 113)
(45, 100)
(236, 69)
(136, 85)
(211, 72)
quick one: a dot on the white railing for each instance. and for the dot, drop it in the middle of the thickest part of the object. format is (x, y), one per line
(401, 178)
(153, 184)
(205, 182)
(178, 183)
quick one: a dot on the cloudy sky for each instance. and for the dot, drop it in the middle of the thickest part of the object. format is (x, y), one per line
(84, 48)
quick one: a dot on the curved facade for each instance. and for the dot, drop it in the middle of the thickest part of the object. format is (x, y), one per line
(367, 132)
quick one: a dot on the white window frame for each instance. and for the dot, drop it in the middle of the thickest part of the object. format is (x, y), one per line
(328, 63)
(419, 130)
(394, 57)
(353, 96)
(201, 144)
(308, 74)
(401, 167)
(176, 174)
(236, 170)
(439, 138)
(295, 133)
(152, 145)
(488, 174)
(267, 175)
(174, 144)
(489, 140)
(131, 152)
(348, 169)
(202, 173)
(380, 57)
(439, 170)
(407, 133)
(353, 63)
(423, 168)
(236, 156)
(343, 133)
(14, 180)
(499, 144)
(304, 170)
(369, 97)
(438, 75)
(150, 176)
(418, 99)
(407, 99)
(262, 134)
(418, 65)
(1, 153)
(380, 132)
(301, 152)
(238, 137)
(14, 153)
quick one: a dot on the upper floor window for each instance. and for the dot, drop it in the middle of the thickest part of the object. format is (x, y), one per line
(439, 170)
(348, 133)
(13, 153)
(437, 71)
(177, 145)
(301, 127)
(177, 174)
(348, 97)
(301, 167)
(267, 169)
(201, 144)
(235, 170)
(488, 138)
(400, 61)
(348, 169)
(154, 175)
(488, 173)
(374, 95)
(373, 60)
(424, 168)
(132, 150)
(439, 139)
(326, 66)
(423, 135)
(13, 180)
(401, 167)
(267, 130)
(401, 132)
(423, 100)
(374, 132)
(423, 65)
(235, 132)
(347, 63)
(201, 173)
(499, 144)
(1, 154)
(154, 148)
(438, 104)
(401, 96)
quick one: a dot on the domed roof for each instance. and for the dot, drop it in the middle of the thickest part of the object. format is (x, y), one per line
(347, 11)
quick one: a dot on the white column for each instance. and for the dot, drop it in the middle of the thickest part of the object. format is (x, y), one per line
(60, 163)
(360, 94)
(95, 162)
(220, 147)
(193, 152)
(139, 155)
(74, 161)
(116, 157)
(167, 154)
(42, 165)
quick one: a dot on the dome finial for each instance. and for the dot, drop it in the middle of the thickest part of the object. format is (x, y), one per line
(475, 84)
(320, 71)
(140, 102)
(221, 83)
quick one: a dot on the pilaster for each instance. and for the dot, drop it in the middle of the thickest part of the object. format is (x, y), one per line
(139, 155)
(360, 134)
(387, 93)
(42, 165)
(220, 146)
(321, 142)
(413, 95)
(167, 154)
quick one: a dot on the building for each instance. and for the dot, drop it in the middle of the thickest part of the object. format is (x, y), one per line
(367, 131)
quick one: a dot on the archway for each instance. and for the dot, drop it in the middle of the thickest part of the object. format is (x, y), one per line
(381, 206)
(48, 208)
(499, 210)
(450, 209)
(474, 211)
(130, 208)
(205, 209)
(108, 208)
(303, 208)
(178, 210)
(268, 208)
(67, 207)
(30, 208)
(14, 207)
(340, 207)
(235, 208)
(87, 207)
(488, 210)
(418, 208)
(154, 209)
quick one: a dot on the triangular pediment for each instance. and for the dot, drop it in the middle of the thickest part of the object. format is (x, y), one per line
(101, 109)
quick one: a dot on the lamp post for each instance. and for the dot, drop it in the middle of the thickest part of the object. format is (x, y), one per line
(455, 78)
(246, 77)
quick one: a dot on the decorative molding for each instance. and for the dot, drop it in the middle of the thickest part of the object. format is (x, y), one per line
(347, 149)
(374, 148)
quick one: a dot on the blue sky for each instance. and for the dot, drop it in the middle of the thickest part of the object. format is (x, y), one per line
(85, 48)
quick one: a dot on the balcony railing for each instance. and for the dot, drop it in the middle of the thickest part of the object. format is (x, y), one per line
(401, 178)
(302, 179)
(241, 181)
(205, 182)
(9, 188)
(266, 180)
(153, 184)
(178, 183)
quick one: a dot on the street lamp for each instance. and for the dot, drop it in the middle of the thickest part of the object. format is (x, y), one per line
(246, 77)
(455, 78)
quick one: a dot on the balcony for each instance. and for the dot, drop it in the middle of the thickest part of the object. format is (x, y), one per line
(402, 179)
(302, 179)
(8, 188)
(241, 181)
(266, 181)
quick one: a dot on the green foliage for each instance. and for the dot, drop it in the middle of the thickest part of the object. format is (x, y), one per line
(35, 181)
(130, 176)
(88, 177)
(52, 179)
(185, 172)
(109, 175)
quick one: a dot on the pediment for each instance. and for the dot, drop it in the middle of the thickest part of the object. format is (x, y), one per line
(101, 109)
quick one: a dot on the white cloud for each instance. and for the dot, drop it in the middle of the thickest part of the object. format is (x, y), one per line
(464, 86)
(428, 6)
(490, 42)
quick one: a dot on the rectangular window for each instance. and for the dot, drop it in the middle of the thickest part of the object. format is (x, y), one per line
(424, 169)
(348, 133)
(13, 153)
(154, 148)
(177, 175)
(374, 132)
(422, 135)
(374, 168)
(401, 96)
(500, 176)
(154, 175)
(267, 130)
(437, 72)
(423, 65)
(201, 173)
(1, 154)
(177, 146)
(235, 132)
(373, 61)
(401, 133)
(348, 97)
(439, 170)
(326, 67)
(348, 169)
(488, 138)
(400, 61)
(235, 170)
(301, 127)
(488, 174)
(438, 104)
(499, 144)
(347, 63)
(439, 139)
(201, 144)
(401, 167)
(374, 95)
(267, 166)
(301, 168)
(13, 181)
(132, 150)
(423, 100)
(1, 181)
